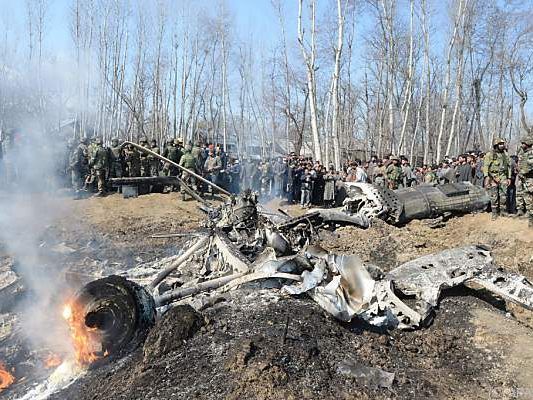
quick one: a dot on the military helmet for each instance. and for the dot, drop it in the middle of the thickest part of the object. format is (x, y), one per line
(497, 140)
(528, 139)
(394, 158)
(114, 140)
(177, 141)
(84, 140)
(98, 140)
(180, 140)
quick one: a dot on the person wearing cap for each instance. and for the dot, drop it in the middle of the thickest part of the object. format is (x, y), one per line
(524, 186)
(99, 164)
(154, 161)
(394, 173)
(497, 173)
(145, 160)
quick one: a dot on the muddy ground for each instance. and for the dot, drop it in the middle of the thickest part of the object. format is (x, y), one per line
(260, 344)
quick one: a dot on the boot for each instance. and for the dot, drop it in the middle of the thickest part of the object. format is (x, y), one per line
(494, 216)
(530, 221)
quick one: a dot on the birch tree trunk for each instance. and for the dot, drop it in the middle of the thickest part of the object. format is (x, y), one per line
(310, 58)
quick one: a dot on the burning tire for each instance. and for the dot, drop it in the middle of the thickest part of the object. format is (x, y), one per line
(109, 316)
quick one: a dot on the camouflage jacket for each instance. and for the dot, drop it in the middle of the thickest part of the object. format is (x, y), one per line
(394, 173)
(188, 161)
(99, 159)
(497, 165)
(174, 154)
(525, 162)
(78, 158)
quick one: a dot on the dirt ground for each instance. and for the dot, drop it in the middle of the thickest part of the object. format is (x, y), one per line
(260, 344)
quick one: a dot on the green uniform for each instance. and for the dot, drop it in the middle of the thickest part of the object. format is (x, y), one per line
(394, 176)
(117, 161)
(78, 166)
(525, 181)
(188, 161)
(497, 168)
(133, 161)
(99, 164)
(154, 162)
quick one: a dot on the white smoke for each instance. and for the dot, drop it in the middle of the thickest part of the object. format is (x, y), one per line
(29, 207)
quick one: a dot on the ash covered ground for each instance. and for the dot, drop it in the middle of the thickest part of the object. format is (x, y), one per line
(259, 344)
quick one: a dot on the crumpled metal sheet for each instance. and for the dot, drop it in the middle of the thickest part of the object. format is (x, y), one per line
(344, 287)
(427, 276)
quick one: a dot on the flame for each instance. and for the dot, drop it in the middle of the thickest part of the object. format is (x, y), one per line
(6, 379)
(52, 360)
(85, 340)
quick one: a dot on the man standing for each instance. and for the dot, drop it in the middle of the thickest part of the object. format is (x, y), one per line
(524, 192)
(132, 159)
(154, 161)
(117, 159)
(497, 173)
(247, 173)
(99, 163)
(187, 161)
(78, 166)
(212, 167)
(465, 172)
(394, 173)
(278, 169)
(145, 161)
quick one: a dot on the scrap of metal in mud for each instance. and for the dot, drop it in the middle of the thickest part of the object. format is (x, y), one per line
(241, 244)
(400, 206)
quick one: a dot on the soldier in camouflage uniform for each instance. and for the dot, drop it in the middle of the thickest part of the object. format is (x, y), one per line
(132, 159)
(99, 163)
(198, 155)
(524, 192)
(90, 175)
(78, 165)
(145, 161)
(497, 173)
(188, 161)
(154, 161)
(116, 159)
(394, 173)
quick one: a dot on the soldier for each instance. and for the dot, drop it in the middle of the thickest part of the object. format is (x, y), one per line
(189, 162)
(78, 166)
(524, 187)
(393, 173)
(99, 163)
(497, 173)
(116, 159)
(198, 155)
(145, 161)
(154, 161)
(132, 159)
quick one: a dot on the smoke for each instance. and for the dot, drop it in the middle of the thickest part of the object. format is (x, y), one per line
(29, 208)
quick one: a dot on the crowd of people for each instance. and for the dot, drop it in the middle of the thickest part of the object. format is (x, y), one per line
(300, 179)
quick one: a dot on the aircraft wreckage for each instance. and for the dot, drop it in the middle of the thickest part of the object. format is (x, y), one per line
(242, 243)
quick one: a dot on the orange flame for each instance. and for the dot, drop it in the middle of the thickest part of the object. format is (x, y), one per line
(52, 360)
(6, 379)
(87, 346)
